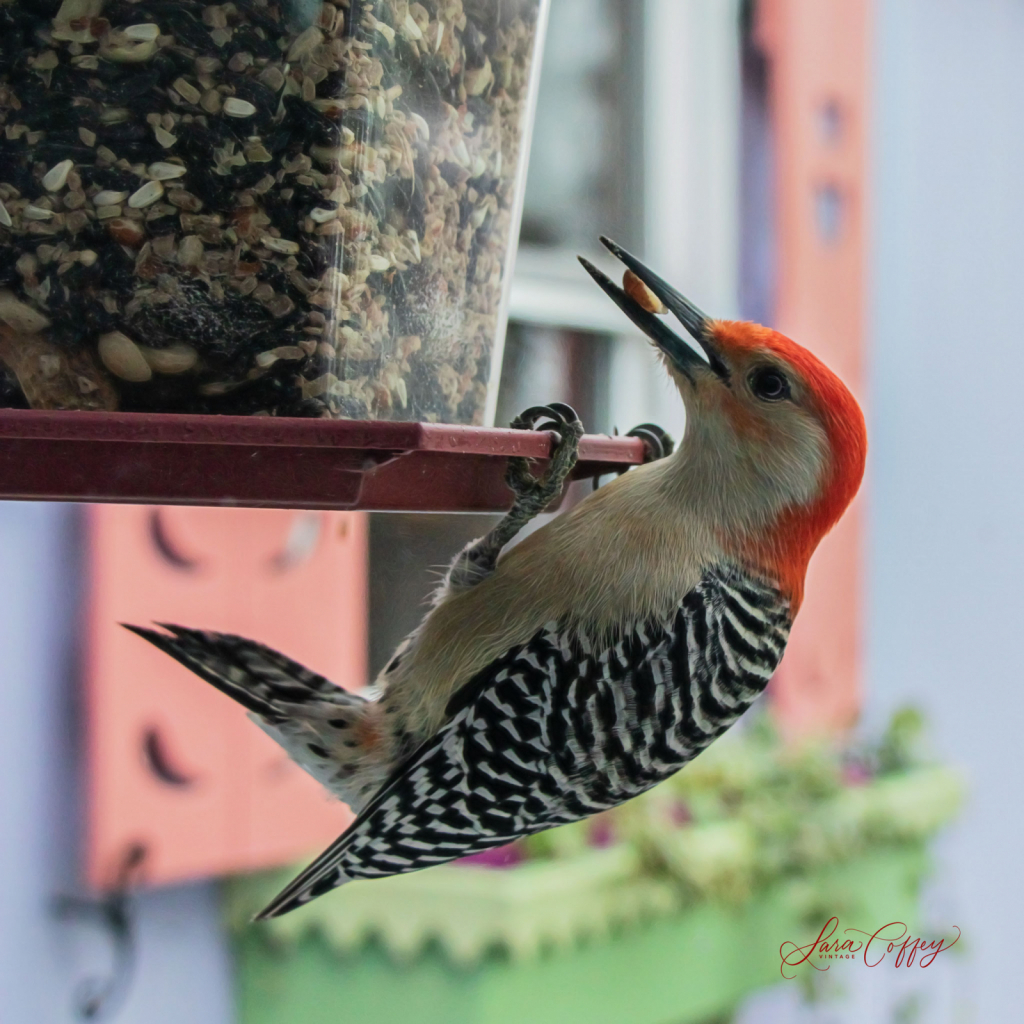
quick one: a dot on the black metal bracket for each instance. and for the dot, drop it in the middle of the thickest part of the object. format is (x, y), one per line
(99, 998)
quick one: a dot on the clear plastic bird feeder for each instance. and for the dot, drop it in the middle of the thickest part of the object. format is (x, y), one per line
(262, 207)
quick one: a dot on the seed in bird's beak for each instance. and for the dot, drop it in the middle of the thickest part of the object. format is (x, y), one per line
(639, 292)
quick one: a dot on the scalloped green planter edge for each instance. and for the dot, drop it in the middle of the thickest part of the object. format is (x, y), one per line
(687, 967)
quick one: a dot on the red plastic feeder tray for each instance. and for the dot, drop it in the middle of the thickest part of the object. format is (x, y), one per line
(136, 458)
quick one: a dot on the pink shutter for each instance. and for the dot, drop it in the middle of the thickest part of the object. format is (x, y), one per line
(173, 764)
(820, 55)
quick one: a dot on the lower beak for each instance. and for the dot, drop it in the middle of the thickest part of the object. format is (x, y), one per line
(683, 356)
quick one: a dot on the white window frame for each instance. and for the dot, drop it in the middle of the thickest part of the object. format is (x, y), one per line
(691, 157)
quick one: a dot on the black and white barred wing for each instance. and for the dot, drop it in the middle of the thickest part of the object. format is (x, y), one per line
(554, 732)
(439, 805)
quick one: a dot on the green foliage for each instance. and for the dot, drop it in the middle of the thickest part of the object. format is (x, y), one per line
(898, 748)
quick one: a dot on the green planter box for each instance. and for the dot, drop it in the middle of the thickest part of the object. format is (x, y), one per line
(690, 965)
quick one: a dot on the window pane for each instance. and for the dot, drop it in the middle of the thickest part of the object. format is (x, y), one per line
(587, 128)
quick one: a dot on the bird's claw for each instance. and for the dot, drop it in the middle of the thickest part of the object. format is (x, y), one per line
(657, 445)
(479, 559)
(657, 442)
(533, 493)
(536, 416)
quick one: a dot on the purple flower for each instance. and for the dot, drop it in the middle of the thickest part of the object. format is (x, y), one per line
(602, 832)
(500, 857)
(680, 813)
(856, 773)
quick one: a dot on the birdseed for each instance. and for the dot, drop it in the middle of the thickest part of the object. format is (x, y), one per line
(637, 290)
(293, 208)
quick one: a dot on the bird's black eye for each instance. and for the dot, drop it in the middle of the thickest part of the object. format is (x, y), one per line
(770, 385)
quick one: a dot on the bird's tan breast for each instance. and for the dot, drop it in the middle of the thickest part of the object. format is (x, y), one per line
(619, 556)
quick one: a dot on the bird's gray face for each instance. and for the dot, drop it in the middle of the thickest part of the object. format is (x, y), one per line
(752, 430)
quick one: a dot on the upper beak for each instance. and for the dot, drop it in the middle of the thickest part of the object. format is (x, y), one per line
(682, 355)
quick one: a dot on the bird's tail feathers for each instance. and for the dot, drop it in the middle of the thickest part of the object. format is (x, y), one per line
(320, 877)
(259, 678)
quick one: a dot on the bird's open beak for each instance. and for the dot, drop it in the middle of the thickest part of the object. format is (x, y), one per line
(682, 355)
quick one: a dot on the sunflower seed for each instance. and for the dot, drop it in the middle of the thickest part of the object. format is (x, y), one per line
(321, 215)
(57, 176)
(123, 50)
(190, 251)
(20, 315)
(211, 101)
(122, 357)
(234, 107)
(107, 198)
(281, 245)
(165, 172)
(410, 30)
(177, 358)
(164, 137)
(146, 31)
(289, 352)
(272, 77)
(304, 43)
(186, 90)
(149, 193)
(638, 291)
(215, 17)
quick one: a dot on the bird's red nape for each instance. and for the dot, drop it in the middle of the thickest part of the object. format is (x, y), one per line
(786, 548)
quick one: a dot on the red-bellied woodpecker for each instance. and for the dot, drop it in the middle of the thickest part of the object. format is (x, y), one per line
(602, 653)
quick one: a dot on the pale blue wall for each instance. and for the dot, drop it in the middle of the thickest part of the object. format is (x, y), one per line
(946, 609)
(182, 970)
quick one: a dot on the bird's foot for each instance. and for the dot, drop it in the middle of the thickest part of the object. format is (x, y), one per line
(479, 559)
(657, 442)
(532, 493)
